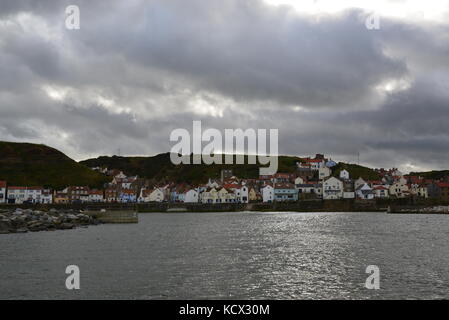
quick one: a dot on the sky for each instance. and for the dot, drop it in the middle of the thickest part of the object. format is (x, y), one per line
(137, 70)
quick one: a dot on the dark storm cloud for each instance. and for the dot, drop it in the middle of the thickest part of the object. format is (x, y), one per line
(137, 70)
(252, 52)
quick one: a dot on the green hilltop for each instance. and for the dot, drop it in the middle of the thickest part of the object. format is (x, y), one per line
(160, 169)
(355, 171)
(26, 164)
(434, 175)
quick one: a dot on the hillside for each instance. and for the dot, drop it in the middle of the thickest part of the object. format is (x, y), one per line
(26, 164)
(39, 165)
(355, 171)
(434, 175)
(161, 169)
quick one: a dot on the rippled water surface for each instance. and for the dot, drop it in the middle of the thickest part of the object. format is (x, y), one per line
(234, 256)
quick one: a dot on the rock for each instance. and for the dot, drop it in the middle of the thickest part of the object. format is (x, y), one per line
(34, 223)
(56, 220)
(36, 226)
(66, 226)
(22, 230)
(5, 225)
(71, 217)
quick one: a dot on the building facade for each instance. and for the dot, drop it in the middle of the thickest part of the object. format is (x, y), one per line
(268, 193)
(332, 189)
(2, 191)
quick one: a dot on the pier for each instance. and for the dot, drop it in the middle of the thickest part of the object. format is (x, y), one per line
(115, 216)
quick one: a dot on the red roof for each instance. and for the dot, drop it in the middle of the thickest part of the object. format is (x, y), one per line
(231, 186)
(2, 184)
(128, 191)
(314, 160)
(284, 186)
(443, 184)
(97, 192)
(282, 175)
(17, 188)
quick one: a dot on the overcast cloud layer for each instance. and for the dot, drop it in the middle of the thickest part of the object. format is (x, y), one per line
(136, 70)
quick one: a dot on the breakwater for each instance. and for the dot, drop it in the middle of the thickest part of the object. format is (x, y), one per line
(22, 221)
(115, 216)
(18, 220)
(418, 209)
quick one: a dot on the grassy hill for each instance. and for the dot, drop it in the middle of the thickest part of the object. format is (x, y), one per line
(39, 165)
(161, 169)
(435, 175)
(26, 164)
(355, 171)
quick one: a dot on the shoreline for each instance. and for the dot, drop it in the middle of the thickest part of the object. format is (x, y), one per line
(399, 206)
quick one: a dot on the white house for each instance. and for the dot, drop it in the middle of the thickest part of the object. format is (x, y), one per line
(365, 192)
(359, 182)
(399, 188)
(419, 190)
(151, 195)
(267, 193)
(316, 164)
(2, 191)
(324, 172)
(191, 196)
(120, 175)
(127, 182)
(33, 194)
(210, 195)
(47, 196)
(224, 196)
(157, 195)
(381, 192)
(19, 195)
(96, 196)
(16, 195)
(298, 181)
(212, 184)
(344, 174)
(310, 188)
(241, 194)
(332, 189)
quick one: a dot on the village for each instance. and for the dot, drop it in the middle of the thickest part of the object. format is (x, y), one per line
(313, 180)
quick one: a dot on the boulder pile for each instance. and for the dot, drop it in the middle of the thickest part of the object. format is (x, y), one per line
(21, 221)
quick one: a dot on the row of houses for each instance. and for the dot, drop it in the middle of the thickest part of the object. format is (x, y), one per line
(15, 194)
(313, 179)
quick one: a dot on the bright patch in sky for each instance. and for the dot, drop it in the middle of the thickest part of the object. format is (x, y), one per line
(55, 93)
(406, 9)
